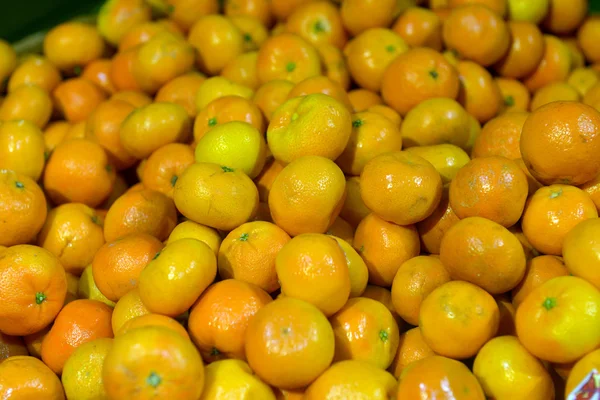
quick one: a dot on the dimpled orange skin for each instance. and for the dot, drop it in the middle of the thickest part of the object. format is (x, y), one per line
(76, 98)
(288, 57)
(372, 134)
(436, 376)
(560, 143)
(315, 125)
(420, 27)
(34, 287)
(566, 314)
(525, 52)
(218, 320)
(539, 270)
(312, 267)
(476, 33)
(226, 109)
(321, 84)
(319, 23)
(29, 102)
(79, 322)
(116, 266)
(164, 166)
(79, 171)
(103, 127)
(554, 67)
(491, 187)
(215, 196)
(479, 93)
(384, 246)
(153, 320)
(457, 318)
(369, 54)
(144, 211)
(380, 12)
(414, 280)
(365, 330)
(35, 70)
(301, 329)
(501, 136)
(417, 75)
(411, 348)
(401, 187)
(482, 252)
(72, 232)
(307, 195)
(26, 377)
(153, 362)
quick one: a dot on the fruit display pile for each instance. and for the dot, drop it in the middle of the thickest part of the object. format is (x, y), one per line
(303, 199)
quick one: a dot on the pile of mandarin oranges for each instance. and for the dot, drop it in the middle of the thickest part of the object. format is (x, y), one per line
(303, 199)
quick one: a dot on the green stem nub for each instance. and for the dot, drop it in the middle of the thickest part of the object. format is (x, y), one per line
(40, 298)
(153, 379)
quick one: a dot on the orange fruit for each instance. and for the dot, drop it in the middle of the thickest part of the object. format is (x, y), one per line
(385, 174)
(515, 95)
(480, 251)
(501, 136)
(498, 6)
(133, 97)
(291, 131)
(334, 64)
(76, 98)
(218, 86)
(144, 31)
(433, 228)
(307, 195)
(34, 342)
(503, 354)
(153, 361)
(253, 30)
(372, 135)
(103, 127)
(182, 90)
(479, 93)
(554, 67)
(318, 22)
(116, 17)
(73, 45)
(174, 279)
(215, 196)
(457, 319)
(27, 377)
(420, 27)
(288, 57)
(219, 319)
(259, 9)
(435, 121)
(73, 233)
(387, 112)
(552, 212)
(381, 14)
(384, 246)
(35, 70)
(545, 151)
(78, 171)
(312, 267)
(417, 75)
(555, 91)
(582, 79)
(128, 307)
(433, 375)
(525, 52)
(362, 99)
(580, 251)
(163, 167)
(28, 102)
(586, 38)
(144, 211)
(186, 12)
(79, 322)
(153, 320)
(22, 148)
(365, 330)
(121, 70)
(564, 312)
(593, 189)
(248, 254)
(150, 127)
(539, 270)
(33, 289)
(264, 180)
(414, 280)
(190, 229)
(370, 53)
(350, 378)
(320, 84)
(230, 377)
(357, 269)
(98, 72)
(270, 95)
(300, 328)
(242, 70)
(581, 369)
(353, 209)
(54, 134)
(476, 33)
(117, 265)
(342, 229)
(11, 346)
(565, 16)
(490, 187)
(227, 109)
(162, 58)
(411, 348)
